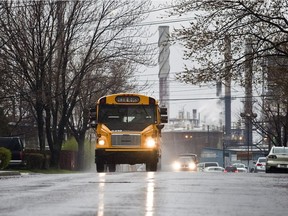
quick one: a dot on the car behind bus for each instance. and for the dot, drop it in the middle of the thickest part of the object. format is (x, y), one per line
(15, 145)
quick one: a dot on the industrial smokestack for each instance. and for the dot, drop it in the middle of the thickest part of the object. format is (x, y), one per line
(164, 66)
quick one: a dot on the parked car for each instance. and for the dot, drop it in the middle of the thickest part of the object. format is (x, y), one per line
(231, 168)
(15, 145)
(185, 163)
(201, 166)
(214, 169)
(260, 165)
(277, 159)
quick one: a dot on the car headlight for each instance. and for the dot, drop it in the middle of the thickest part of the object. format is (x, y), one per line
(150, 143)
(176, 165)
(192, 165)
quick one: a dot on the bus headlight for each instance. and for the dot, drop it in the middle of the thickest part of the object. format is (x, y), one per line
(101, 142)
(150, 143)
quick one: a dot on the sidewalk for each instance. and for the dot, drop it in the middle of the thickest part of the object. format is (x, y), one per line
(9, 173)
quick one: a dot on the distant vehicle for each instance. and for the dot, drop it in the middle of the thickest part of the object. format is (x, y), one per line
(194, 157)
(240, 167)
(185, 163)
(15, 145)
(214, 169)
(242, 170)
(260, 165)
(277, 159)
(201, 166)
(232, 169)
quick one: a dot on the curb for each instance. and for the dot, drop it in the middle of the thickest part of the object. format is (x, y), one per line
(9, 173)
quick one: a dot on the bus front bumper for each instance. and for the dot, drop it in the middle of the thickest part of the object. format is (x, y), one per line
(126, 156)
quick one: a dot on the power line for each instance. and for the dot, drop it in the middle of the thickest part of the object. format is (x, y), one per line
(164, 22)
(158, 9)
(205, 98)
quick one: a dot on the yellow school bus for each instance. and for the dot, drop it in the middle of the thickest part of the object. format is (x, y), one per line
(128, 130)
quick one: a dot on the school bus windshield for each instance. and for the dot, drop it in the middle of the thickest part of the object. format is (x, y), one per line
(123, 117)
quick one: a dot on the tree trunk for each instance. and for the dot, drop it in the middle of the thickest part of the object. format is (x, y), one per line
(40, 128)
(55, 158)
(81, 153)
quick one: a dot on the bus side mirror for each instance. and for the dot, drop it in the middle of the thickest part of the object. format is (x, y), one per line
(164, 119)
(93, 124)
(164, 115)
(160, 126)
(163, 111)
(92, 117)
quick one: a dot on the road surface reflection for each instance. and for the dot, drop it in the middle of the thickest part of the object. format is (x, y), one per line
(150, 194)
(149, 201)
(101, 186)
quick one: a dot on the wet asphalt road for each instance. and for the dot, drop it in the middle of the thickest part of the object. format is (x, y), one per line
(145, 193)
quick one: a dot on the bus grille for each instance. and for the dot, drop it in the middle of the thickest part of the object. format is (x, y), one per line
(126, 140)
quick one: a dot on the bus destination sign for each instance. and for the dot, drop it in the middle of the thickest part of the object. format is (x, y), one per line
(127, 99)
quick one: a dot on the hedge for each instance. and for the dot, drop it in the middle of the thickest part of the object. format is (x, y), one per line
(34, 160)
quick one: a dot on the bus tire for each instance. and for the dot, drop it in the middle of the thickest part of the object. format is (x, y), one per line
(100, 166)
(159, 167)
(151, 166)
(112, 167)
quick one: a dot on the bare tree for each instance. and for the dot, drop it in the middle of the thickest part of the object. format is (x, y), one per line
(49, 49)
(115, 77)
(262, 22)
(273, 120)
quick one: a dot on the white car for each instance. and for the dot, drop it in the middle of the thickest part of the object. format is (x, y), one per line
(277, 159)
(201, 166)
(243, 170)
(185, 163)
(260, 165)
(214, 169)
(240, 167)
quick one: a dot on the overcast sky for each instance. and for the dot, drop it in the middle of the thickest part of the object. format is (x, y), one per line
(193, 96)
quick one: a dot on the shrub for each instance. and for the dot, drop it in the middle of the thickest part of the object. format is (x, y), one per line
(89, 154)
(5, 157)
(70, 144)
(89, 151)
(34, 160)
